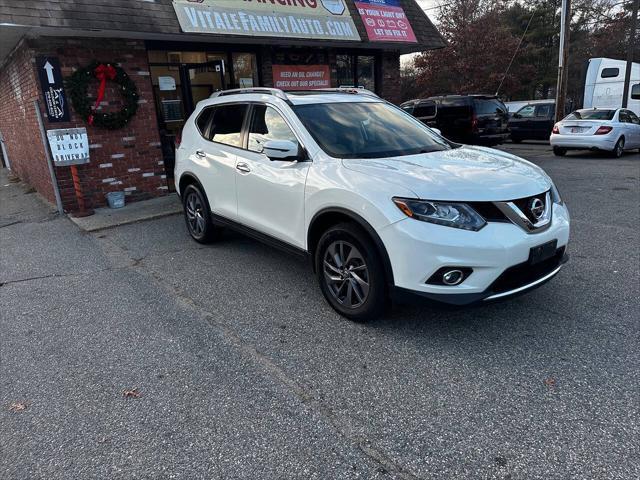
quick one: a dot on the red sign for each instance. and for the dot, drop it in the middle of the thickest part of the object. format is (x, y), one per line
(385, 21)
(301, 77)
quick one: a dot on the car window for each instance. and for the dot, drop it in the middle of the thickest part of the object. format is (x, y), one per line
(624, 117)
(203, 121)
(267, 124)
(635, 91)
(367, 130)
(609, 72)
(407, 108)
(425, 109)
(526, 112)
(591, 114)
(544, 111)
(488, 106)
(634, 118)
(226, 126)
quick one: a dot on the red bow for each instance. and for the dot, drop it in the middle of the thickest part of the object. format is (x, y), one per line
(103, 73)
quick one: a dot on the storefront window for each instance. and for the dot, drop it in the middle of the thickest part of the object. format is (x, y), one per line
(245, 70)
(366, 73)
(344, 68)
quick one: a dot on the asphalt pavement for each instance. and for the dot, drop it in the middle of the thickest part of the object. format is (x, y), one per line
(136, 353)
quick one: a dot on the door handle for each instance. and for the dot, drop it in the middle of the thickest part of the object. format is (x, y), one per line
(200, 153)
(243, 167)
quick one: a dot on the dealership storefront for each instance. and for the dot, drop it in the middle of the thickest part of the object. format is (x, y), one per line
(129, 73)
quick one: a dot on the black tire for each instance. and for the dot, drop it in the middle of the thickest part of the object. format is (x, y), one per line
(342, 280)
(618, 150)
(559, 151)
(197, 215)
(516, 139)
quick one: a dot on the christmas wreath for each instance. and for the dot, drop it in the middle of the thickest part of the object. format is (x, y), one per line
(78, 85)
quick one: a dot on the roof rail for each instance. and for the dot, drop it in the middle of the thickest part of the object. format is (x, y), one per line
(237, 91)
(347, 90)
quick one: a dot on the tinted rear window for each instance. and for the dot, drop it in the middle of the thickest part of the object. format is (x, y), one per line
(488, 106)
(591, 114)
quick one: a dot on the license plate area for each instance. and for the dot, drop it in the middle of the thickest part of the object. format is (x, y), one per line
(543, 252)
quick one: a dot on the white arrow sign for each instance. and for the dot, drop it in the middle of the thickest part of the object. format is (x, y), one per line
(49, 69)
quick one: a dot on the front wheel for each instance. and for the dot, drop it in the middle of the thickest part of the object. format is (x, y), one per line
(618, 150)
(350, 272)
(559, 151)
(198, 216)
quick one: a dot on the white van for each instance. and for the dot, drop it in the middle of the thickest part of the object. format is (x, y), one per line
(604, 84)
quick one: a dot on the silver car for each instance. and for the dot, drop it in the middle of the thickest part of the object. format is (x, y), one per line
(609, 130)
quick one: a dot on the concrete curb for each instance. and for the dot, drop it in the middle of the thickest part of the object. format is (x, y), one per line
(105, 218)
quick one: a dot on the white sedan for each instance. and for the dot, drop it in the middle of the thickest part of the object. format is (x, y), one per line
(610, 130)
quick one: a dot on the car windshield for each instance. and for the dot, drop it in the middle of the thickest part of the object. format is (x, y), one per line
(367, 130)
(591, 114)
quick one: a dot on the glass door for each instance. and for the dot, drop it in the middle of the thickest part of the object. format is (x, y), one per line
(177, 90)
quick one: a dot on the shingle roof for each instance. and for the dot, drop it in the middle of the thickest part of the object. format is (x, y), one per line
(158, 17)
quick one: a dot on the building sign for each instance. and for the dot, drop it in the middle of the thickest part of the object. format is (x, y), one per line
(52, 86)
(69, 146)
(385, 21)
(317, 19)
(301, 77)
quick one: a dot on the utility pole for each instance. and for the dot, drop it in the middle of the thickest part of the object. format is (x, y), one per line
(563, 57)
(630, 51)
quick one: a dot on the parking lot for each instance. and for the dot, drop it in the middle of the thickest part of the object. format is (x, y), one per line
(138, 353)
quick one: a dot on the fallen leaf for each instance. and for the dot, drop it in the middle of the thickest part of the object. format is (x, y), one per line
(18, 406)
(134, 393)
(550, 382)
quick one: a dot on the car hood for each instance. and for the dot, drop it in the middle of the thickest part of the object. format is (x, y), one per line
(468, 173)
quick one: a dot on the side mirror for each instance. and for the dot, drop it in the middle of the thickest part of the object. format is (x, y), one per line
(517, 115)
(436, 130)
(281, 150)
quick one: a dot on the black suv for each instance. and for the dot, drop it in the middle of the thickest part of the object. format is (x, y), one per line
(533, 122)
(474, 119)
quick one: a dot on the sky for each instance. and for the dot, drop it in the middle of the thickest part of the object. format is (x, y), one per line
(431, 13)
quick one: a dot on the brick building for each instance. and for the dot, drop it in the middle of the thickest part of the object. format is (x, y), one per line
(177, 53)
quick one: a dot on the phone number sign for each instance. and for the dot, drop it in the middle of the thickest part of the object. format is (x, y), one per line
(385, 21)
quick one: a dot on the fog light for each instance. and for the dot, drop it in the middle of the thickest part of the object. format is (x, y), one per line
(452, 277)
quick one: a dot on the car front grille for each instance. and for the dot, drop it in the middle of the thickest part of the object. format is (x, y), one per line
(519, 211)
(525, 273)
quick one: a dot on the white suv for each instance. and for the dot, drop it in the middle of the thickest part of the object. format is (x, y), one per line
(380, 203)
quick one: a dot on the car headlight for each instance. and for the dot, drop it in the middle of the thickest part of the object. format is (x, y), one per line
(450, 214)
(555, 194)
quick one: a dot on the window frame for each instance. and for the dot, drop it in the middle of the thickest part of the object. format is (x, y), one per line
(206, 135)
(252, 116)
(304, 152)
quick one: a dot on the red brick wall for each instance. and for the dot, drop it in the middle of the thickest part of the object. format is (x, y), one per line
(18, 122)
(128, 159)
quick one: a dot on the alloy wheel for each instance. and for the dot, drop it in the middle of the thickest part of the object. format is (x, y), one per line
(620, 147)
(346, 274)
(195, 214)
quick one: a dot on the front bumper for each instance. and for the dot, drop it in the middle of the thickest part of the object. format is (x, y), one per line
(498, 254)
(497, 290)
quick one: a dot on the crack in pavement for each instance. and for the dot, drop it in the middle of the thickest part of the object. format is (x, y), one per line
(234, 339)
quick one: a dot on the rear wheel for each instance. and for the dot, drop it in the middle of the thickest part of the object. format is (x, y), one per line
(350, 272)
(618, 150)
(198, 216)
(516, 139)
(559, 151)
